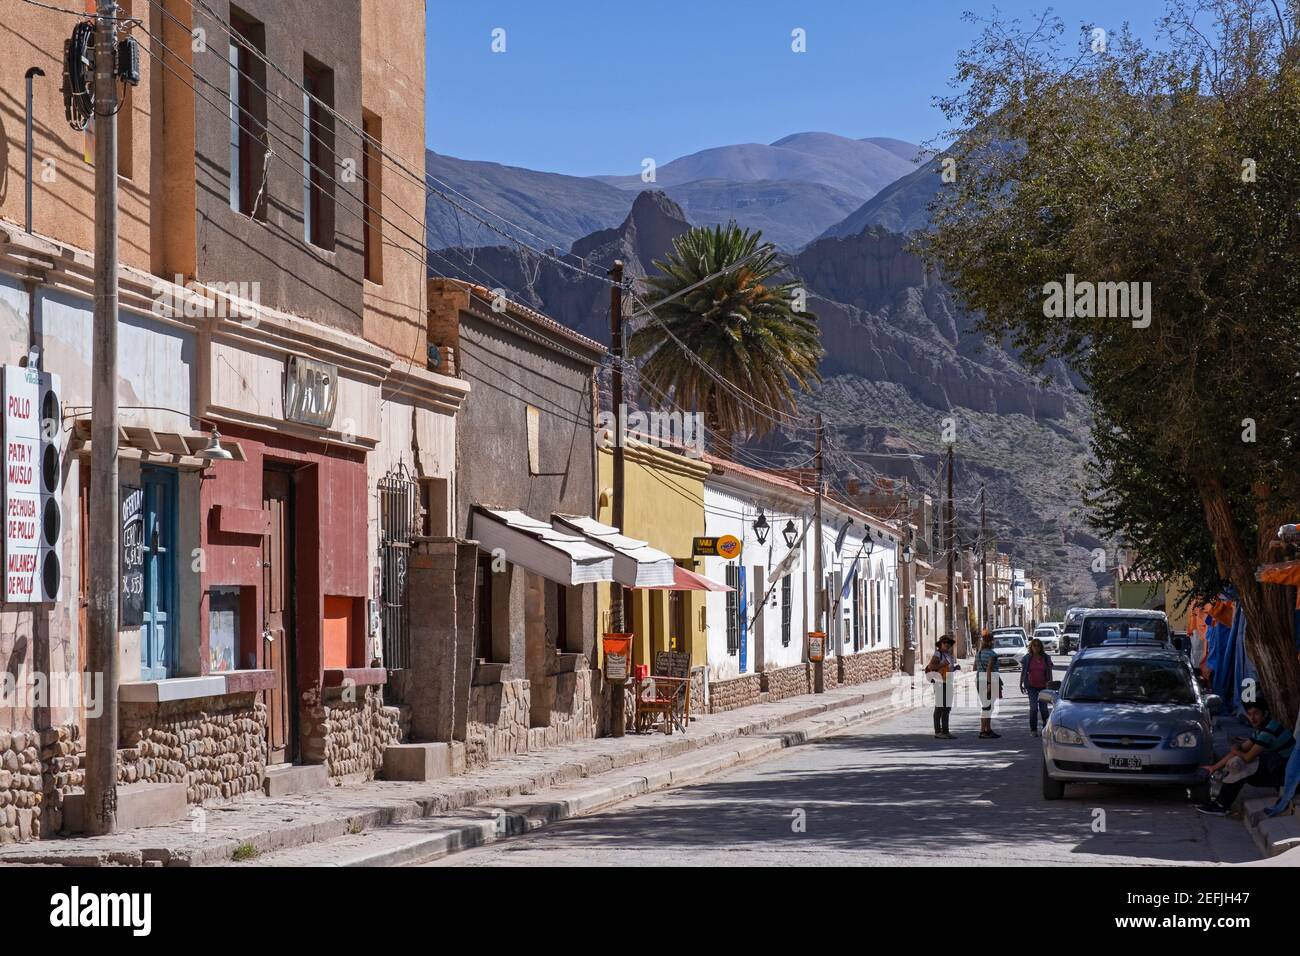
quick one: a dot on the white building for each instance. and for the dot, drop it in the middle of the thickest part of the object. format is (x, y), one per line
(759, 631)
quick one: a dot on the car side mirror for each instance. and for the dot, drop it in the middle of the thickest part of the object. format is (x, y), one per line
(1214, 704)
(1054, 685)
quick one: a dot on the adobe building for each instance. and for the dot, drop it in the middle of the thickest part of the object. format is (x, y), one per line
(271, 301)
(525, 628)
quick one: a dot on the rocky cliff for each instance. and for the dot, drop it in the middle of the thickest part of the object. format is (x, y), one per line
(901, 358)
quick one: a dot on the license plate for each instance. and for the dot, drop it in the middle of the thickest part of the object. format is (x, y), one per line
(1125, 763)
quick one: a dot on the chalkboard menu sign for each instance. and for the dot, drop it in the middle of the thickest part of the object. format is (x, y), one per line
(672, 664)
(131, 600)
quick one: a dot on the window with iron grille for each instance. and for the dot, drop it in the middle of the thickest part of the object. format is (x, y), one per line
(398, 512)
(733, 609)
(787, 606)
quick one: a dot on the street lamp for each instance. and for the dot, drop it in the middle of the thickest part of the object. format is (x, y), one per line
(789, 532)
(760, 527)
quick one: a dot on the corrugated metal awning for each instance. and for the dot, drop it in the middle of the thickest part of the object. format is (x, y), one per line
(536, 546)
(636, 564)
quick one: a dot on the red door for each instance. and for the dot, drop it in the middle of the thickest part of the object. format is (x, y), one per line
(277, 616)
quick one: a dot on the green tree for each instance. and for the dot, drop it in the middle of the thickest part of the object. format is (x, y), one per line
(748, 329)
(1112, 161)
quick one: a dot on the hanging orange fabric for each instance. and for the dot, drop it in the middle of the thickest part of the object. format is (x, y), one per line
(1285, 573)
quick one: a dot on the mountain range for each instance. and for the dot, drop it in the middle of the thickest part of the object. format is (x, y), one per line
(793, 189)
(900, 355)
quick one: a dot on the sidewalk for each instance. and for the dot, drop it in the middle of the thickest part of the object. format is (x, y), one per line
(254, 827)
(1273, 836)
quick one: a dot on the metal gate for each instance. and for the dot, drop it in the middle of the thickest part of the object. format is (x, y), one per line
(398, 514)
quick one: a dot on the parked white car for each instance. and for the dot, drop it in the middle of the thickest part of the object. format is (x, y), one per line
(1050, 636)
(1010, 645)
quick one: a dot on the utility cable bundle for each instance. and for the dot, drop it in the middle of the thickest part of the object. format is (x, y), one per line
(78, 75)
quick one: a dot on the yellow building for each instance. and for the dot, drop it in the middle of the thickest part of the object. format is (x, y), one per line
(663, 506)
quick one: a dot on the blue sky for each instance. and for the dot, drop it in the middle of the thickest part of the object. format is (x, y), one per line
(587, 88)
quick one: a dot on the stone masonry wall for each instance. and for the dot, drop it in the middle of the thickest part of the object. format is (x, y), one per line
(349, 730)
(573, 713)
(868, 666)
(498, 721)
(216, 746)
(21, 786)
(735, 692)
(61, 759)
(788, 681)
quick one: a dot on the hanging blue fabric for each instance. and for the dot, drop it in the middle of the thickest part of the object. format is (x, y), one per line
(848, 581)
(1243, 669)
(1218, 637)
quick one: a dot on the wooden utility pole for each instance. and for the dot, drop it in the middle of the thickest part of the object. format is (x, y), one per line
(984, 577)
(950, 520)
(101, 614)
(618, 623)
(819, 575)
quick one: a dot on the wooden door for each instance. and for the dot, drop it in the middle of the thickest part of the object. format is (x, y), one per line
(277, 616)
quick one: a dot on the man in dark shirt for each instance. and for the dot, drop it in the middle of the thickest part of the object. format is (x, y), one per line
(1271, 742)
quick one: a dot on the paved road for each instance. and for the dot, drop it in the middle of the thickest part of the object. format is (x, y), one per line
(887, 793)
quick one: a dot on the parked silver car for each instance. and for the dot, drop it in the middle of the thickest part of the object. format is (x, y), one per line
(1127, 715)
(1050, 636)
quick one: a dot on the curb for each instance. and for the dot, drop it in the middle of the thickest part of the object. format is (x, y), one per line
(403, 810)
(497, 823)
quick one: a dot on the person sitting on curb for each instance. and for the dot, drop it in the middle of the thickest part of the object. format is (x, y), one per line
(942, 664)
(1035, 674)
(988, 684)
(1270, 743)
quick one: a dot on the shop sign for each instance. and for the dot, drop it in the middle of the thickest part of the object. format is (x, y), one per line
(33, 486)
(311, 391)
(131, 599)
(728, 546)
(617, 650)
(816, 646)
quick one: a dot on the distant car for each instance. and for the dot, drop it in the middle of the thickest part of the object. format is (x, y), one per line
(1131, 714)
(1114, 627)
(1011, 646)
(1070, 629)
(1050, 638)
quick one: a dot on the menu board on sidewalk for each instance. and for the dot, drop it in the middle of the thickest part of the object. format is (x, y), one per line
(131, 600)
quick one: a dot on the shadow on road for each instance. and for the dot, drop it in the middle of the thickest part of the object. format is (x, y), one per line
(904, 795)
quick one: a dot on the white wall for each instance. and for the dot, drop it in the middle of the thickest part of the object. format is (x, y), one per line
(727, 511)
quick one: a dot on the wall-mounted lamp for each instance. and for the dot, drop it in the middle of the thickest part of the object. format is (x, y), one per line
(761, 527)
(790, 533)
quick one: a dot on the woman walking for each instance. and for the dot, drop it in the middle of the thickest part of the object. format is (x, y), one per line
(942, 665)
(1035, 674)
(987, 683)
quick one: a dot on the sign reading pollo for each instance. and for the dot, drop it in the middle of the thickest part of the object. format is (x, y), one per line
(33, 484)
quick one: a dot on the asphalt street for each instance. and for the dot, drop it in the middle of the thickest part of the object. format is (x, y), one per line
(888, 792)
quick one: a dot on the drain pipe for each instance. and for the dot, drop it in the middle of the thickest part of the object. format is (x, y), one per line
(32, 73)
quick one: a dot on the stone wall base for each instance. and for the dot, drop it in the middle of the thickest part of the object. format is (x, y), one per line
(500, 723)
(735, 692)
(348, 730)
(216, 746)
(868, 666)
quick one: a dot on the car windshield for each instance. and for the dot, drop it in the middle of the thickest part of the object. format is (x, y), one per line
(1148, 682)
(1119, 630)
(1008, 640)
(1044, 632)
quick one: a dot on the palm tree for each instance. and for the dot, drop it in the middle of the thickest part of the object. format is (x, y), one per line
(749, 333)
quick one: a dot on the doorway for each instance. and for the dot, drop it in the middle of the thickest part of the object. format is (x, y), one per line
(279, 646)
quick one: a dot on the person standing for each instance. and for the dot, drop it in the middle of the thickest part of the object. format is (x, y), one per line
(1035, 674)
(942, 665)
(987, 683)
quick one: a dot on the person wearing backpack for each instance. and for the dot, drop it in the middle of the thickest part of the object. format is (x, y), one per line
(1035, 675)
